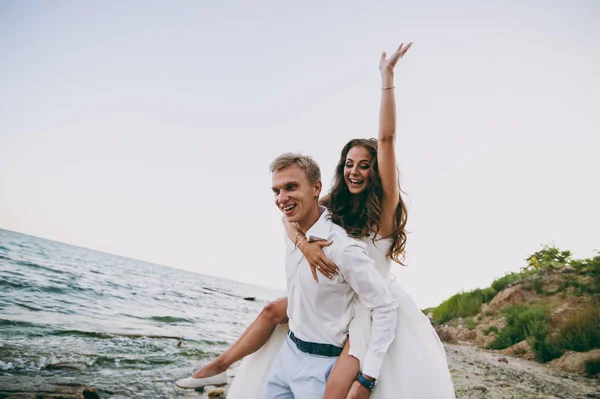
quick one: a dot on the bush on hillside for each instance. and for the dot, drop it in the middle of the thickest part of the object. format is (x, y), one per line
(589, 267)
(503, 282)
(521, 322)
(464, 304)
(487, 331)
(548, 257)
(581, 331)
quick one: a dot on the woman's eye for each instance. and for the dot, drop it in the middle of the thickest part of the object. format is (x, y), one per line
(364, 166)
(349, 165)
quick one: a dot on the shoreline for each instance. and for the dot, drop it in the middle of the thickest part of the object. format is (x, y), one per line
(477, 373)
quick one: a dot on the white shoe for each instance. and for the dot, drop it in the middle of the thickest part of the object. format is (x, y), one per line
(190, 382)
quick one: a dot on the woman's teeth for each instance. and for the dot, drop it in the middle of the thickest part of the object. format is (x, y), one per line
(355, 181)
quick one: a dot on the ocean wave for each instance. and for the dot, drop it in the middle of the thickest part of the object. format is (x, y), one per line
(135, 362)
(14, 284)
(82, 333)
(161, 319)
(170, 319)
(107, 335)
(33, 309)
(60, 287)
(47, 362)
(37, 266)
(20, 324)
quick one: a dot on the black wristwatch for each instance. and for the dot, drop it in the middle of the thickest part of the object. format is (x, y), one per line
(365, 382)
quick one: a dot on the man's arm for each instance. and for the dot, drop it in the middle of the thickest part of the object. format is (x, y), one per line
(358, 269)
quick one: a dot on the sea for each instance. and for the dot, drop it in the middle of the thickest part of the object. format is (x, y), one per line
(129, 329)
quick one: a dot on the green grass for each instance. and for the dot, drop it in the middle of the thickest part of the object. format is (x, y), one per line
(503, 282)
(581, 331)
(464, 304)
(487, 331)
(470, 323)
(539, 287)
(521, 322)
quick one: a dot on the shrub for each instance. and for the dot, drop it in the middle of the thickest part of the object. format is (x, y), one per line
(548, 256)
(487, 331)
(592, 366)
(544, 348)
(464, 304)
(539, 287)
(590, 267)
(470, 323)
(521, 322)
(503, 282)
(581, 331)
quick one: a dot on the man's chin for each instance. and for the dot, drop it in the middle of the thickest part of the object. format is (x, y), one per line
(292, 218)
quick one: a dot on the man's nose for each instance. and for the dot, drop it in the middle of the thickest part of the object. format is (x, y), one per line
(283, 197)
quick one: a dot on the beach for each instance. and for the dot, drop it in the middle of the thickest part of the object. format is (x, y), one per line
(72, 318)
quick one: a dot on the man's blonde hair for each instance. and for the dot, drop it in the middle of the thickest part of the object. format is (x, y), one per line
(308, 165)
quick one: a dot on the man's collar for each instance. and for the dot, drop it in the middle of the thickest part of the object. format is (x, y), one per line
(320, 230)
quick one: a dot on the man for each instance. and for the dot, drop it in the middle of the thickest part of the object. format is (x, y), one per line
(319, 314)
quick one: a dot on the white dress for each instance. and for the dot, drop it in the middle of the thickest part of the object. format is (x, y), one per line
(415, 366)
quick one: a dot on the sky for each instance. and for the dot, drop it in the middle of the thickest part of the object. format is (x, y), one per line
(145, 129)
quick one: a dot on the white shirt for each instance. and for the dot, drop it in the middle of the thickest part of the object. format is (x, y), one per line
(321, 312)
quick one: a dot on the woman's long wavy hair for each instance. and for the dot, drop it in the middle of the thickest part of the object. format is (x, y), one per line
(365, 221)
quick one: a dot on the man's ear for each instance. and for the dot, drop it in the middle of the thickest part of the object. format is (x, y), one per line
(318, 186)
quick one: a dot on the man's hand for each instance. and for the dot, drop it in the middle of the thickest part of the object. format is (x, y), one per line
(357, 391)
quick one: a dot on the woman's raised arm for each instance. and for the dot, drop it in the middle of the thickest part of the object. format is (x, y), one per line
(386, 153)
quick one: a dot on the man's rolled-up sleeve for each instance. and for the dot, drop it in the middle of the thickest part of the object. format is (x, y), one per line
(358, 269)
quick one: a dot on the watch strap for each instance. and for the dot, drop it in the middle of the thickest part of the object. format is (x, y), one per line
(365, 382)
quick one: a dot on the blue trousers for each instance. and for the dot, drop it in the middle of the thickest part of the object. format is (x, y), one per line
(295, 374)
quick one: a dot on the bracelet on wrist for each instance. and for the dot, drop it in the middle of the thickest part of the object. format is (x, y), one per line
(296, 238)
(388, 88)
(300, 242)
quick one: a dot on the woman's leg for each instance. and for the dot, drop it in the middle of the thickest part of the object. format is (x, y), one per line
(255, 336)
(342, 376)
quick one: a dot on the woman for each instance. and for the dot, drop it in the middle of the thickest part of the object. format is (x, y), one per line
(365, 199)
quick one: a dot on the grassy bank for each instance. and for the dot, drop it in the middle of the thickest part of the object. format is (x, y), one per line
(552, 277)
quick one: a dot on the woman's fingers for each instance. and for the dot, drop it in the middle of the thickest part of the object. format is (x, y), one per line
(399, 53)
(323, 269)
(324, 243)
(314, 273)
(329, 266)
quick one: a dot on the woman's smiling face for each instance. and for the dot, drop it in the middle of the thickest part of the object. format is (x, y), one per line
(357, 169)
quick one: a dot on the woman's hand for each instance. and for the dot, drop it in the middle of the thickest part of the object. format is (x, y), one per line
(387, 65)
(313, 252)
